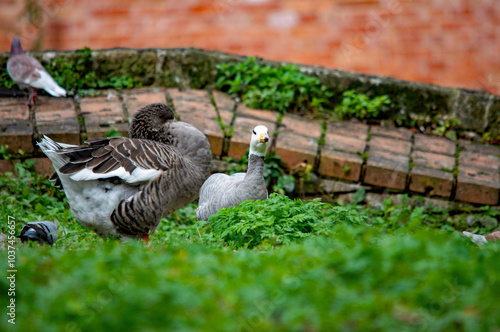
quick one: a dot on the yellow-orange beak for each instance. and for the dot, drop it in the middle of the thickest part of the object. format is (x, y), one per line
(263, 138)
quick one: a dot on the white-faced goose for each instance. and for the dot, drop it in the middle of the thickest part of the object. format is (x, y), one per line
(26, 71)
(124, 186)
(221, 190)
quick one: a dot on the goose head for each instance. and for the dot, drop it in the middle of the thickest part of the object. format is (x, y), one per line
(259, 141)
(149, 122)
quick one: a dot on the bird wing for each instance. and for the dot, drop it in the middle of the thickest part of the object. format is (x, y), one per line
(133, 160)
(24, 69)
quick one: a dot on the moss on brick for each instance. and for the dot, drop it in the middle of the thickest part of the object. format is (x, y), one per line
(137, 64)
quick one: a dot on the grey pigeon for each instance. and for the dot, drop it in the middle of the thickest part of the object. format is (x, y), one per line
(124, 186)
(41, 231)
(222, 190)
(28, 72)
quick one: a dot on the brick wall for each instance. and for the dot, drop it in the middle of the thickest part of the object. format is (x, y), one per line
(446, 42)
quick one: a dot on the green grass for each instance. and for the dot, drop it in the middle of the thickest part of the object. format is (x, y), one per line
(406, 268)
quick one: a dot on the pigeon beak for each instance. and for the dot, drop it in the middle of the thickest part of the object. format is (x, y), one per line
(263, 138)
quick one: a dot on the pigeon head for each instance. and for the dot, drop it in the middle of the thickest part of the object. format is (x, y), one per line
(259, 141)
(15, 47)
(149, 121)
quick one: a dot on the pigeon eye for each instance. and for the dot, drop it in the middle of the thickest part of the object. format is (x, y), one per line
(253, 131)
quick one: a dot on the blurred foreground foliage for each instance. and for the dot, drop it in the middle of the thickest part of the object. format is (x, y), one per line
(327, 267)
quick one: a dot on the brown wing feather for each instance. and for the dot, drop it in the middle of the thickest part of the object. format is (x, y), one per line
(104, 155)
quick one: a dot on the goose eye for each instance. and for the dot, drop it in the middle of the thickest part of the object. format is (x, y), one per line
(253, 131)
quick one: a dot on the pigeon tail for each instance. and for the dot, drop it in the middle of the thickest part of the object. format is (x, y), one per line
(47, 83)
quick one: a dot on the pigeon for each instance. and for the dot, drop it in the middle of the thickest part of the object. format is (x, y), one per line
(28, 72)
(222, 190)
(482, 239)
(40, 231)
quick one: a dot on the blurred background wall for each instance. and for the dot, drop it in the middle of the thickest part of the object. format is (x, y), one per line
(446, 42)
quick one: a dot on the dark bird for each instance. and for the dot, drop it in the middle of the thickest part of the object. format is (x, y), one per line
(124, 186)
(26, 71)
(40, 231)
(222, 190)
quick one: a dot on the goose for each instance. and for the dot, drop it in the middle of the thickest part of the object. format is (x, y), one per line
(26, 71)
(122, 187)
(221, 190)
(41, 231)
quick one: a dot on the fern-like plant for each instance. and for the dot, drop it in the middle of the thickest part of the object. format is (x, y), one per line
(277, 220)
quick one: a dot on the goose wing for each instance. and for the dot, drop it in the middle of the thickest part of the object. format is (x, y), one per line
(132, 160)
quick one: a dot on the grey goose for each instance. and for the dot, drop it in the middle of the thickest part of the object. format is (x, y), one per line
(124, 186)
(26, 71)
(221, 190)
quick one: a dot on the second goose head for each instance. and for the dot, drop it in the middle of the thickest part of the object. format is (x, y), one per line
(259, 141)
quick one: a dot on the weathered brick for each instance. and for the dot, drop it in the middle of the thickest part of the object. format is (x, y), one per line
(43, 166)
(101, 114)
(294, 124)
(480, 186)
(396, 146)
(344, 143)
(16, 130)
(348, 128)
(269, 116)
(433, 160)
(6, 166)
(479, 148)
(295, 149)
(57, 118)
(226, 106)
(195, 107)
(398, 133)
(386, 169)
(431, 181)
(434, 144)
(479, 160)
(242, 132)
(136, 99)
(340, 164)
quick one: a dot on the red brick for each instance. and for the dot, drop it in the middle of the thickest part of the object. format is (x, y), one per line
(195, 107)
(334, 163)
(269, 116)
(136, 99)
(296, 125)
(7, 166)
(348, 128)
(43, 166)
(226, 107)
(479, 160)
(431, 181)
(396, 146)
(398, 133)
(433, 160)
(295, 149)
(479, 148)
(101, 114)
(16, 130)
(242, 132)
(481, 186)
(434, 144)
(57, 118)
(344, 143)
(386, 169)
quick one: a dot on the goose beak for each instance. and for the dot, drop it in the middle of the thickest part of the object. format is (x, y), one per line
(263, 138)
